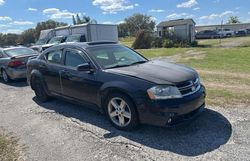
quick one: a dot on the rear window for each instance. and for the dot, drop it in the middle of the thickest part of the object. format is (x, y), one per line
(19, 52)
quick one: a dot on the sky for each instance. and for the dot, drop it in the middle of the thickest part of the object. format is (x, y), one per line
(18, 15)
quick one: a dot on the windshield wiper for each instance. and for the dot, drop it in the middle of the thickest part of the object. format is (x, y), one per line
(118, 66)
(139, 62)
(126, 65)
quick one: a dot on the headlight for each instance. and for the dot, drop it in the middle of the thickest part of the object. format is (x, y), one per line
(164, 92)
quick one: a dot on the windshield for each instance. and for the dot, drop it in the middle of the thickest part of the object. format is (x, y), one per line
(73, 38)
(114, 56)
(56, 40)
(19, 52)
(41, 42)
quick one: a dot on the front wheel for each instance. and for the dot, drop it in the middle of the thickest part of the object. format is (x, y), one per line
(39, 90)
(121, 112)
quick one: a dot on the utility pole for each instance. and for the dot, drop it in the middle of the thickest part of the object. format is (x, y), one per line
(221, 28)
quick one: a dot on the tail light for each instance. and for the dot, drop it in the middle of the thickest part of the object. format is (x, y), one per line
(15, 63)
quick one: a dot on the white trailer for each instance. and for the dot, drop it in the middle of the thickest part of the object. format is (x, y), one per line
(92, 32)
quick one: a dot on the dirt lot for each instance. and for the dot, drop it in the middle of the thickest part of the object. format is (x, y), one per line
(62, 131)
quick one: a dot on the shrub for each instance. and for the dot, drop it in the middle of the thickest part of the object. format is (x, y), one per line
(157, 42)
(167, 43)
(194, 44)
(143, 40)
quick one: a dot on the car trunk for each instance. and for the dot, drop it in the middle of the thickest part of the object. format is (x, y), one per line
(20, 61)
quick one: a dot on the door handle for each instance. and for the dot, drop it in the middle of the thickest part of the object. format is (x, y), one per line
(66, 72)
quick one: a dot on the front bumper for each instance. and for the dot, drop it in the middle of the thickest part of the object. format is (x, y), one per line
(16, 73)
(172, 112)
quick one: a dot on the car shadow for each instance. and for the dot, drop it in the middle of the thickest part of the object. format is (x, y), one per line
(16, 83)
(204, 134)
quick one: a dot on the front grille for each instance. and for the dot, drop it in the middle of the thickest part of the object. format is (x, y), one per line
(189, 87)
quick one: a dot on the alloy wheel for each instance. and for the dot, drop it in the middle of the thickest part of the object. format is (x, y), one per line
(119, 112)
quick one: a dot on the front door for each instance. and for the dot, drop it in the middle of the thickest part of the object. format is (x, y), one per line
(78, 84)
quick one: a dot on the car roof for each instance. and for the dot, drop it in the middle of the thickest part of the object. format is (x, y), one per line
(88, 44)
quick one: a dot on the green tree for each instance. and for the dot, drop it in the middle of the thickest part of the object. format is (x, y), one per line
(27, 37)
(50, 24)
(86, 19)
(233, 20)
(138, 22)
(143, 40)
(9, 39)
(123, 30)
(78, 20)
(74, 20)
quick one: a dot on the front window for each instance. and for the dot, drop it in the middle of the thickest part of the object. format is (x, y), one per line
(56, 40)
(73, 59)
(19, 52)
(114, 56)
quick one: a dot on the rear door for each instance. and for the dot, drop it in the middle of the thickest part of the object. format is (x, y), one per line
(51, 68)
(77, 84)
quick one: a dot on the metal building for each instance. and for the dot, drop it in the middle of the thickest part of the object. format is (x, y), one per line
(182, 29)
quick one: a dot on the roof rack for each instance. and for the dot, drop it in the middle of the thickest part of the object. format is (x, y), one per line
(101, 42)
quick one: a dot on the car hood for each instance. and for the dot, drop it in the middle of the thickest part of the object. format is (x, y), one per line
(158, 72)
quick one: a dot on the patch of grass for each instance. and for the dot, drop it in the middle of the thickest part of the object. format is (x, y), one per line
(225, 72)
(223, 59)
(128, 41)
(161, 52)
(209, 43)
(226, 90)
(8, 150)
(226, 98)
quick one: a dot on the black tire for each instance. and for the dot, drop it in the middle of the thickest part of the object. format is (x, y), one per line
(39, 90)
(5, 76)
(134, 121)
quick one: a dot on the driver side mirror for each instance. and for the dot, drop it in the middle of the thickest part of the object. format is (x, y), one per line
(85, 68)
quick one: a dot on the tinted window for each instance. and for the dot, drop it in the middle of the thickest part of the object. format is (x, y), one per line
(73, 58)
(55, 56)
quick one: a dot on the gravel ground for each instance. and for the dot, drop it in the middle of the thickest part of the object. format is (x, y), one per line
(61, 131)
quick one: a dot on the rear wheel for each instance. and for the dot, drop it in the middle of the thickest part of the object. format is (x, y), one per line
(5, 76)
(121, 112)
(39, 90)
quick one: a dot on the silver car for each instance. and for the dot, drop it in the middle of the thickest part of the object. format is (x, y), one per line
(13, 62)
